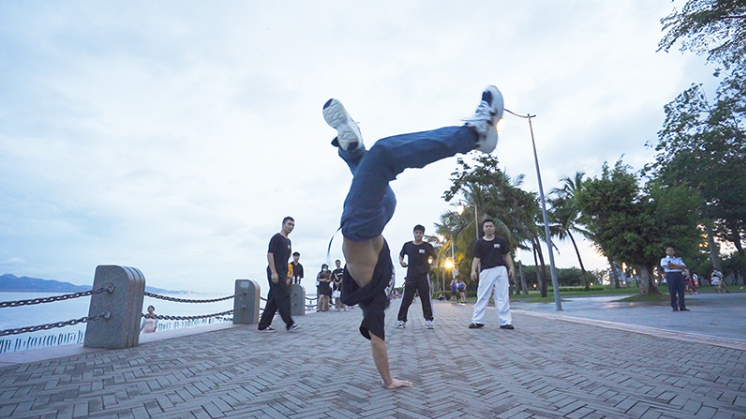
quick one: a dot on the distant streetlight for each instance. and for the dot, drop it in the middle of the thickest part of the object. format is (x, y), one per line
(555, 282)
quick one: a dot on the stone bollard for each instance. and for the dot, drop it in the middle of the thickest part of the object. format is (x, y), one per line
(297, 300)
(122, 329)
(246, 302)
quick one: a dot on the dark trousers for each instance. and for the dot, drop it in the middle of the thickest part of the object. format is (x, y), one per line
(278, 299)
(423, 286)
(676, 287)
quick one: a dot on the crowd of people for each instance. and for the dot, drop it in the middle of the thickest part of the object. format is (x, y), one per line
(367, 278)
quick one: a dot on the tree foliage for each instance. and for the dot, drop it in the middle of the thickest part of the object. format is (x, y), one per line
(703, 146)
(496, 195)
(635, 226)
(714, 27)
(567, 216)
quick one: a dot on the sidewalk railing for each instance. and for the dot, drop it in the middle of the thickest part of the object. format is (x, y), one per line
(116, 306)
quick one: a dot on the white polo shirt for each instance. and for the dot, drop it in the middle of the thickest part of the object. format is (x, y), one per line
(674, 260)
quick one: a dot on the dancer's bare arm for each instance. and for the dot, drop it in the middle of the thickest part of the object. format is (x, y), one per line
(381, 358)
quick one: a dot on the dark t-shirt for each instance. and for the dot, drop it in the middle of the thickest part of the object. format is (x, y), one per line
(297, 270)
(490, 252)
(324, 288)
(337, 275)
(281, 249)
(417, 255)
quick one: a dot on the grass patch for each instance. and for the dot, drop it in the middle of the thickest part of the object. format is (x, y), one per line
(645, 298)
(535, 296)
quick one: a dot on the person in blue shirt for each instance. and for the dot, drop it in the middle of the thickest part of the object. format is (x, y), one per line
(673, 268)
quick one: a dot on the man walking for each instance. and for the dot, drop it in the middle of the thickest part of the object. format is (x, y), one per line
(418, 254)
(491, 258)
(278, 298)
(297, 268)
(370, 204)
(673, 267)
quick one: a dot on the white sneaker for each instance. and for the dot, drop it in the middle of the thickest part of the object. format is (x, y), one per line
(429, 324)
(348, 133)
(400, 324)
(294, 327)
(484, 121)
(268, 329)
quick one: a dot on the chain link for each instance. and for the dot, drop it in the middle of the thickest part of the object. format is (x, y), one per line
(105, 315)
(183, 300)
(204, 316)
(109, 288)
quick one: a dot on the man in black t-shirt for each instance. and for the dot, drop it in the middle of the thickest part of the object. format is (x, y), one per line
(418, 255)
(278, 298)
(337, 275)
(493, 266)
(371, 202)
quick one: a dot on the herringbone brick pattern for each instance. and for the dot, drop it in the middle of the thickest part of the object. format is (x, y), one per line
(543, 369)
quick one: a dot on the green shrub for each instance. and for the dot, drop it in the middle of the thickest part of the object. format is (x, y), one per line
(581, 288)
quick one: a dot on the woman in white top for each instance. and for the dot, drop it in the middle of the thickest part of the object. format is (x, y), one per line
(149, 322)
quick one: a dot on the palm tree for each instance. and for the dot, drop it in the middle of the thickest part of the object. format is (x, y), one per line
(497, 196)
(566, 215)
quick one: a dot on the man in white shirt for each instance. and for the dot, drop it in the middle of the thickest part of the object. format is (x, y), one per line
(673, 267)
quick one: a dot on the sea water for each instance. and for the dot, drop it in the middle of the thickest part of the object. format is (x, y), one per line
(76, 308)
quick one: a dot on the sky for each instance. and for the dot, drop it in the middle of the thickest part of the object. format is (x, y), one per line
(174, 136)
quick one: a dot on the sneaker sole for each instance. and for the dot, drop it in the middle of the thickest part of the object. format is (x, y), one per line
(497, 102)
(348, 133)
(487, 128)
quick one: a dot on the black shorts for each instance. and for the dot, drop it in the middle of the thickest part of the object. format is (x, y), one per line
(371, 298)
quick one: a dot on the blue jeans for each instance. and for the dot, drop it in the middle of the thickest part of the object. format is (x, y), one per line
(370, 203)
(675, 282)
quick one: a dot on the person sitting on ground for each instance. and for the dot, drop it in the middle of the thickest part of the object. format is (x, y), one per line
(149, 321)
(370, 204)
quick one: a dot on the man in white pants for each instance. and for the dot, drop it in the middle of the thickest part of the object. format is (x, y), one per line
(492, 254)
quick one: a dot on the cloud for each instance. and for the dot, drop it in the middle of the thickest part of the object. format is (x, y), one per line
(174, 137)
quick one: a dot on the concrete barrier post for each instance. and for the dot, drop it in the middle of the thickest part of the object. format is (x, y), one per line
(246, 302)
(297, 300)
(122, 329)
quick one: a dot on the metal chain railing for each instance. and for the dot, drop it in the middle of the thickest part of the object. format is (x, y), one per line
(109, 288)
(312, 305)
(105, 315)
(184, 300)
(204, 316)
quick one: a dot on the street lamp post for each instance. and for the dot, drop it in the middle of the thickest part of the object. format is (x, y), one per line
(555, 282)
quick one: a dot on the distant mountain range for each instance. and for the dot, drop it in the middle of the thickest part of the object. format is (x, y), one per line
(12, 283)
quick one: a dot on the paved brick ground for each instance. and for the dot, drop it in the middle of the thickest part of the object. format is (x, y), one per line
(544, 369)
